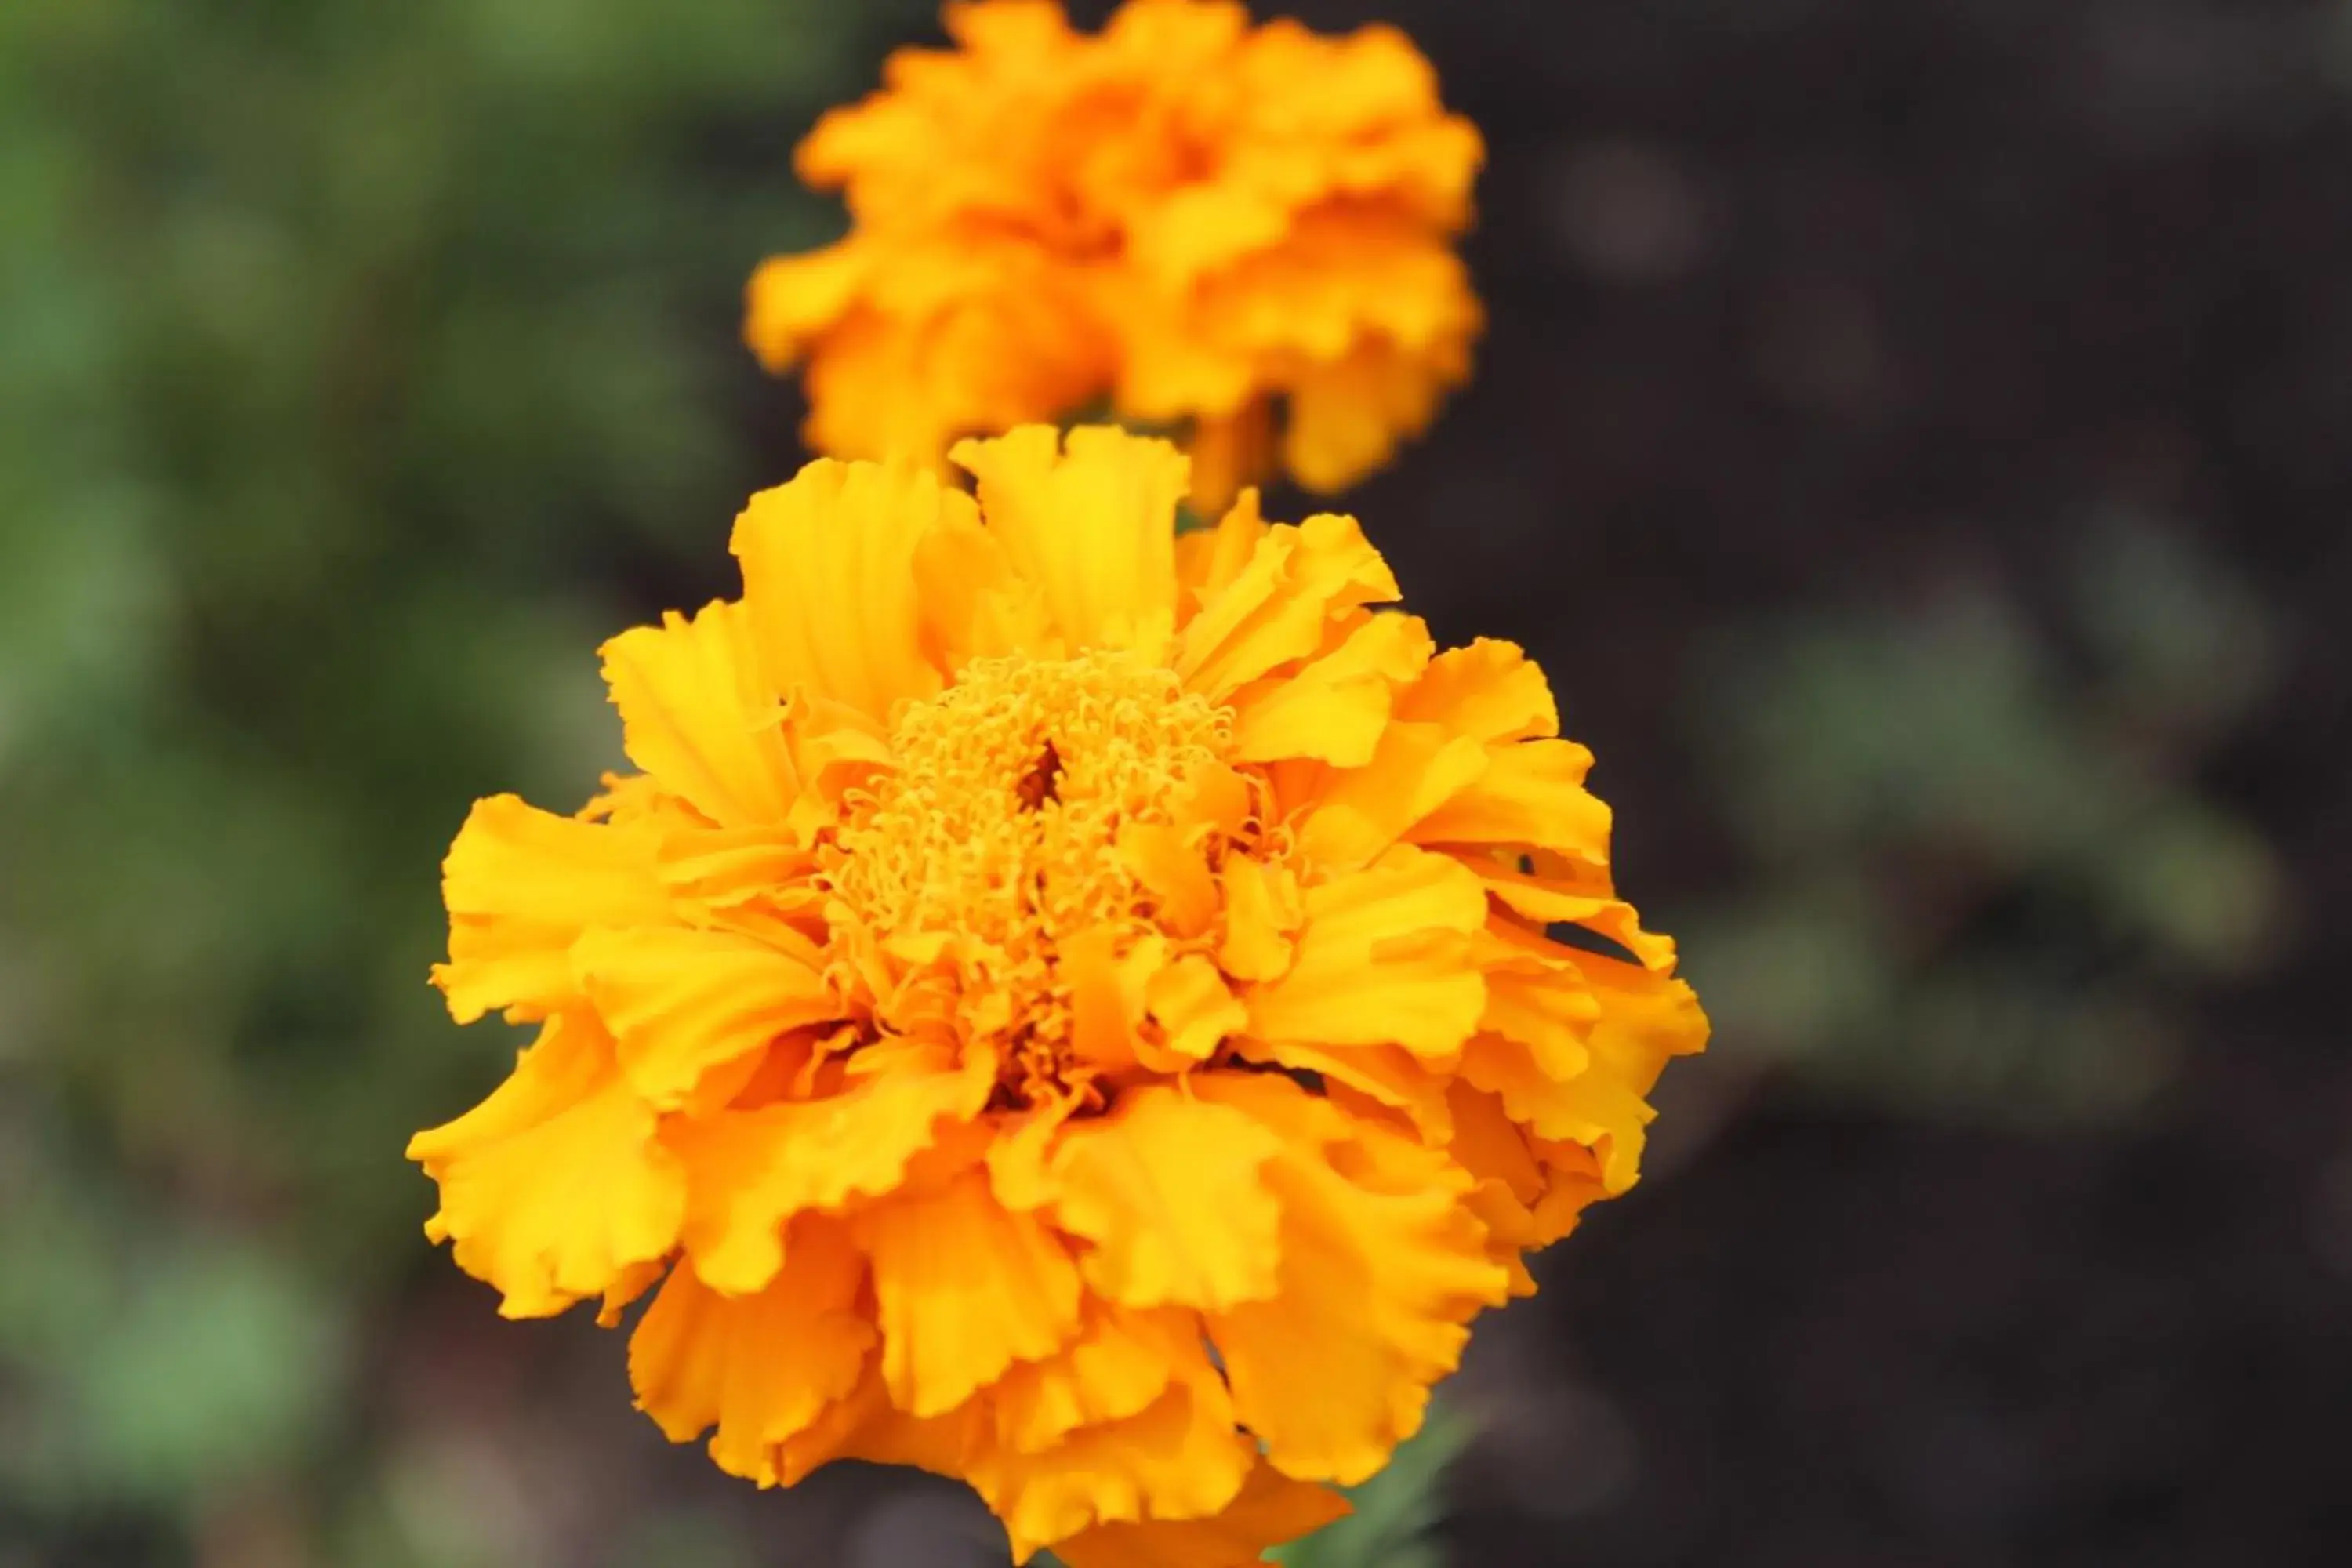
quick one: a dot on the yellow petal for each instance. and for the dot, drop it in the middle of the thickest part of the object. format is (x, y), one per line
(863, 1425)
(1605, 1115)
(1336, 708)
(554, 1188)
(1384, 957)
(1229, 451)
(681, 1001)
(1488, 1145)
(1334, 1369)
(633, 798)
(1276, 610)
(628, 1285)
(829, 581)
(1269, 1510)
(1019, 1155)
(1207, 563)
(1106, 997)
(1584, 1107)
(1574, 1183)
(1168, 1190)
(964, 1288)
(1645, 1019)
(1389, 1075)
(760, 881)
(1091, 522)
(1173, 872)
(1214, 798)
(1180, 1458)
(1416, 769)
(975, 606)
(750, 1172)
(1552, 900)
(697, 716)
(1120, 1362)
(1489, 690)
(1548, 1013)
(1346, 416)
(1530, 793)
(1263, 909)
(522, 885)
(763, 1368)
(793, 298)
(1193, 1006)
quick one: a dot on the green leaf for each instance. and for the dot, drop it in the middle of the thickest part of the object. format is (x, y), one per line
(1397, 1512)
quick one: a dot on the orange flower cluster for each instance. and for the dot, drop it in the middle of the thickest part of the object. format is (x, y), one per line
(1066, 1006)
(1242, 233)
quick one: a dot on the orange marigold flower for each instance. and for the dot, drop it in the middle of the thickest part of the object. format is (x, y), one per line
(1188, 216)
(1062, 1005)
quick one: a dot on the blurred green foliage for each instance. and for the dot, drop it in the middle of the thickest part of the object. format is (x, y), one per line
(349, 346)
(1984, 872)
(1397, 1512)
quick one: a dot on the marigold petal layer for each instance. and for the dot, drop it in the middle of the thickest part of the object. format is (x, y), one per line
(554, 1188)
(1066, 1007)
(1204, 223)
(760, 1368)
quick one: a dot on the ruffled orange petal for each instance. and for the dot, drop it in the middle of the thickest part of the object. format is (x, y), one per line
(1359, 812)
(1269, 1510)
(1278, 606)
(1227, 448)
(763, 1368)
(1180, 1458)
(695, 715)
(1333, 709)
(963, 1288)
(1120, 1362)
(1488, 690)
(751, 1171)
(974, 604)
(1195, 1009)
(1167, 1189)
(1383, 958)
(1208, 561)
(829, 582)
(522, 885)
(681, 1001)
(1345, 417)
(1390, 1076)
(1382, 1268)
(1090, 519)
(554, 1188)
(1531, 793)
(792, 299)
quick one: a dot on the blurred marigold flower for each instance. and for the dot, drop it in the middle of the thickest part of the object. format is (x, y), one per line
(1191, 219)
(1062, 1006)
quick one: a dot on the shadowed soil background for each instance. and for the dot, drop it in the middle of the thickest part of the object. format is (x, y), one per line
(1916, 436)
(1860, 312)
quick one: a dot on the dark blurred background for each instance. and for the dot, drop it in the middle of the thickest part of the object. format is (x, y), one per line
(1912, 433)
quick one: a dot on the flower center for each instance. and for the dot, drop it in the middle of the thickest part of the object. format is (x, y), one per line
(994, 837)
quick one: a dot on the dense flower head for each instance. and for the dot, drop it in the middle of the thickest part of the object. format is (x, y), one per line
(1087, 1011)
(1242, 232)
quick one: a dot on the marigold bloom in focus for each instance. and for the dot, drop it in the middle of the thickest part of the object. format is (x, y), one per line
(1243, 232)
(1062, 1006)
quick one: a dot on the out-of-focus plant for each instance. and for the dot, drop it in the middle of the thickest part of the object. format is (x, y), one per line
(1397, 1512)
(344, 344)
(1986, 874)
